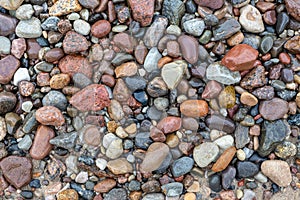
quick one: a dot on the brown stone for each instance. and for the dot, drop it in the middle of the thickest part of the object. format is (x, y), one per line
(270, 17)
(169, 124)
(273, 109)
(119, 166)
(126, 69)
(228, 195)
(64, 26)
(26, 88)
(284, 58)
(33, 49)
(254, 130)
(255, 78)
(140, 53)
(92, 98)
(68, 194)
(54, 55)
(248, 99)
(7, 102)
(7, 24)
(74, 43)
(41, 146)
(92, 4)
(112, 15)
(164, 60)
(125, 42)
(59, 81)
(212, 90)
(43, 79)
(293, 8)
(265, 6)
(121, 92)
(105, 185)
(75, 64)
(236, 39)
(194, 108)
(18, 47)
(216, 4)
(189, 48)
(142, 10)
(92, 136)
(8, 67)
(224, 160)
(157, 135)
(16, 170)
(108, 80)
(173, 49)
(239, 58)
(64, 7)
(101, 28)
(293, 44)
(49, 115)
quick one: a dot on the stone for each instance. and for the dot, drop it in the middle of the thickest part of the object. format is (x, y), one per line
(169, 124)
(251, 19)
(172, 189)
(126, 69)
(247, 169)
(266, 44)
(13, 122)
(5, 45)
(293, 8)
(174, 10)
(16, 170)
(64, 7)
(273, 109)
(74, 43)
(241, 136)
(282, 22)
(212, 90)
(264, 93)
(101, 28)
(116, 194)
(226, 29)
(115, 110)
(25, 143)
(72, 64)
(24, 12)
(172, 73)
(41, 146)
(152, 59)
(6, 73)
(194, 27)
(278, 171)
(241, 57)
(254, 79)
(224, 160)
(226, 98)
(228, 176)
(50, 24)
(67, 194)
(222, 74)
(56, 99)
(81, 27)
(293, 45)
(205, 153)
(59, 81)
(285, 150)
(54, 55)
(11, 5)
(156, 150)
(105, 185)
(215, 183)
(33, 49)
(270, 17)
(7, 24)
(224, 142)
(135, 83)
(114, 149)
(92, 98)
(194, 108)
(119, 166)
(272, 134)
(220, 123)
(92, 136)
(21, 75)
(66, 141)
(155, 32)
(30, 28)
(248, 99)
(189, 48)
(182, 166)
(7, 102)
(3, 129)
(210, 4)
(173, 49)
(125, 42)
(142, 11)
(49, 115)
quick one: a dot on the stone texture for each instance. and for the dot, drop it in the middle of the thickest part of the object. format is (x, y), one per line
(64, 7)
(172, 73)
(142, 10)
(174, 10)
(16, 170)
(220, 123)
(293, 44)
(226, 98)
(248, 99)
(254, 79)
(189, 48)
(105, 185)
(59, 81)
(67, 194)
(18, 47)
(205, 153)
(6, 73)
(11, 4)
(226, 29)
(210, 4)
(273, 109)
(101, 28)
(74, 43)
(75, 64)
(241, 57)
(7, 102)
(293, 8)
(222, 74)
(126, 69)
(251, 19)
(92, 98)
(119, 166)
(7, 24)
(169, 124)
(224, 160)
(49, 115)
(194, 108)
(30, 28)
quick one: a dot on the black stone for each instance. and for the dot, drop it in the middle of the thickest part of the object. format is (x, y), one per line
(141, 96)
(27, 194)
(182, 166)
(190, 6)
(247, 169)
(228, 176)
(282, 21)
(35, 183)
(215, 183)
(286, 95)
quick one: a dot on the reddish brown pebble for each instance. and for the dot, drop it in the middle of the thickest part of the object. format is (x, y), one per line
(270, 17)
(92, 136)
(41, 146)
(293, 44)
(111, 11)
(284, 58)
(43, 79)
(140, 53)
(74, 43)
(54, 55)
(59, 81)
(189, 48)
(227, 195)
(101, 28)
(6, 73)
(7, 24)
(212, 90)
(18, 47)
(240, 58)
(173, 49)
(157, 135)
(169, 124)
(126, 69)
(163, 61)
(105, 185)
(216, 4)
(75, 64)
(254, 130)
(92, 98)
(103, 6)
(16, 170)
(64, 26)
(26, 88)
(33, 49)
(124, 42)
(265, 6)
(224, 160)
(50, 115)
(108, 80)
(293, 8)
(142, 10)
(194, 108)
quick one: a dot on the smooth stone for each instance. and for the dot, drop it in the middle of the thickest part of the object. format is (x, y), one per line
(251, 19)
(56, 99)
(194, 27)
(247, 169)
(119, 166)
(74, 43)
(266, 44)
(172, 73)
(217, 4)
(81, 27)
(173, 10)
(282, 22)
(64, 7)
(264, 93)
(278, 171)
(7, 25)
(272, 134)
(215, 183)
(241, 136)
(182, 166)
(190, 7)
(205, 153)
(189, 48)
(169, 124)
(30, 28)
(7, 102)
(156, 31)
(92, 4)
(157, 87)
(5, 45)
(222, 74)
(228, 176)
(156, 196)
(49, 115)
(220, 123)
(116, 194)
(115, 149)
(226, 97)
(101, 28)
(226, 29)
(11, 5)
(293, 8)
(24, 12)
(225, 142)
(224, 160)
(65, 140)
(194, 108)
(172, 189)
(3, 129)
(7, 73)
(212, 90)
(292, 44)
(135, 83)
(13, 121)
(151, 59)
(273, 109)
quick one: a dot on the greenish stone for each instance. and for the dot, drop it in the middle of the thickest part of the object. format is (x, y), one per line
(205, 37)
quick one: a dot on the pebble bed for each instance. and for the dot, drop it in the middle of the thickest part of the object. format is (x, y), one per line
(150, 99)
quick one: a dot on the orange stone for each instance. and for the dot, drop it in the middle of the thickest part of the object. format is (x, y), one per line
(169, 124)
(224, 160)
(194, 108)
(126, 69)
(239, 58)
(50, 115)
(105, 185)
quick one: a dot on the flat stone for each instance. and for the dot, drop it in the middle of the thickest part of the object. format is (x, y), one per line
(67, 194)
(251, 19)
(30, 28)
(228, 176)
(222, 74)
(189, 48)
(156, 150)
(241, 136)
(282, 21)
(224, 142)
(241, 57)
(182, 166)
(16, 170)
(226, 29)
(247, 169)
(152, 59)
(248, 99)
(194, 108)
(224, 160)
(72, 64)
(205, 153)
(273, 109)
(41, 146)
(220, 123)
(194, 27)
(6, 73)
(174, 10)
(114, 149)
(125, 42)
(74, 43)
(64, 7)
(116, 194)
(142, 11)
(210, 4)
(105, 185)
(49, 115)
(7, 24)
(172, 73)
(11, 4)
(266, 44)
(278, 171)
(66, 141)
(56, 99)
(119, 166)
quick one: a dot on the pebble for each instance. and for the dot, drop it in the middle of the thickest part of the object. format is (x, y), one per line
(247, 169)
(278, 171)
(226, 97)
(105, 185)
(74, 43)
(114, 149)
(62, 7)
(151, 59)
(67, 194)
(92, 136)
(24, 12)
(5, 45)
(210, 4)
(254, 79)
(215, 183)
(182, 166)
(241, 136)
(172, 73)
(81, 27)
(273, 109)
(65, 140)
(189, 48)
(205, 153)
(30, 28)
(11, 5)
(56, 99)
(59, 81)
(188, 108)
(116, 194)
(174, 10)
(49, 115)
(266, 44)
(194, 27)
(248, 99)
(156, 31)
(101, 28)
(228, 176)
(226, 29)
(3, 129)
(248, 194)
(119, 166)
(285, 150)
(41, 146)
(142, 11)
(282, 22)
(292, 44)
(50, 24)
(224, 142)
(224, 160)
(251, 19)
(222, 74)
(25, 143)
(172, 189)
(220, 123)
(293, 8)
(54, 55)
(7, 102)
(264, 93)
(212, 90)
(8, 72)
(16, 170)
(7, 25)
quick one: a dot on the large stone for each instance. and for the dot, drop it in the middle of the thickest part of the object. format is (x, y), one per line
(64, 7)
(251, 19)
(101, 28)
(182, 166)
(273, 109)
(75, 64)
(152, 59)
(92, 98)
(278, 171)
(293, 44)
(189, 48)
(16, 170)
(155, 32)
(205, 153)
(142, 10)
(247, 169)
(241, 136)
(8, 67)
(119, 166)
(255, 78)
(7, 24)
(30, 28)
(172, 73)
(222, 74)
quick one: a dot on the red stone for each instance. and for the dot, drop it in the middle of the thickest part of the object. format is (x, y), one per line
(212, 90)
(101, 28)
(293, 8)
(169, 124)
(75, 64)
(18, 47)
(8, 67)
(157, 135)
(241, 57)
(92, 98)
(142, 10)
(215, 4)
(284, 58)
(50, 115)
(74, 43)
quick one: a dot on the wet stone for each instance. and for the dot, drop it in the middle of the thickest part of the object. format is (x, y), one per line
(182, 166)
(189, 48)
(172, 189)
(264, 93)
(49, 115)
(174, 10)
(282, 21)
(241, 136)
(222, 74)
(266, 44)
(293, 7)
(285, 150)
(251, 19)
(194, 27)
(254, 79)
(228, 176)
(247, 169)
(224, 160)
(226, 29)
(65, 140)
(273, 109)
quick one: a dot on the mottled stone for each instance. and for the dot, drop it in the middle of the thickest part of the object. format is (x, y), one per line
(49, 115)
(247, 169)
(212, 90)
(6, 73)
(105, 185)
(194, 108)
(273, 109)
(74, 43)
(222, 74)
(255, 78)
(226, 29)
(293, 44)
(30, 28)
(172, 73)
(67, 194)
(174, 10)
(11, 4)
(75, 64)
(220, 123)
(7, 102)
(228, 176)
(210, 4)
(64, 7)
(169, 124)
(142, 11)
(101, 28)
(226, 98)
(241, 136)
(251, 19)
(155, 32)
(264, 93)
(293, 8)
